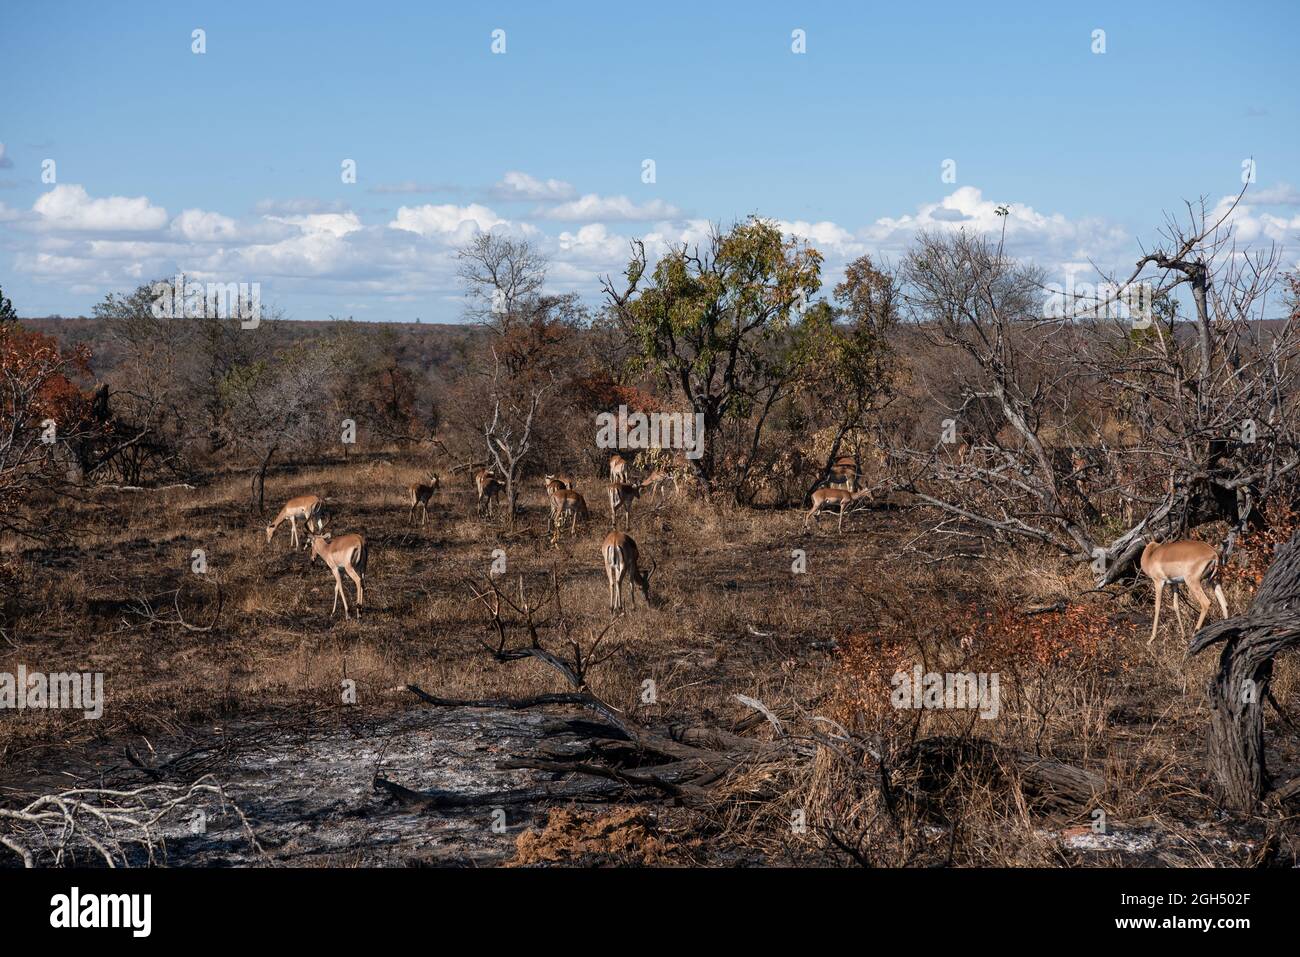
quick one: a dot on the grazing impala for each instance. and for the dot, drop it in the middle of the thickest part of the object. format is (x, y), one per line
(617, 468)
(622, 560)
(420, 494)
(347, 552)
(488, 487)
(567, 504)
(828, 499)
(656, 482)
(1187, 561)
(309, 508)
(621, 497)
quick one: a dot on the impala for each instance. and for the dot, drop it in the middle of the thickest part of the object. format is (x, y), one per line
(621, 497)
(567, 504)
(420, 494)
(844, 471)
(826, 499)
(347, 552)
(622, 560)
(617, 468)
(1187, 561)
(656, 481)
(488, 487)
(310, 508)
(558, 483)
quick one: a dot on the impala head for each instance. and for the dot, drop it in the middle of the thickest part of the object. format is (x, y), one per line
(316, 542)
(643, 580)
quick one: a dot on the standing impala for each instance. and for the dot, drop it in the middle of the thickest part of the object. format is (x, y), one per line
(622, 560)
(828, 499)
(567, 504)
(558, 483)
(347, 552)
(309, 508)
(1187, 561)
(617, 468)
(488, 487)
(420, 494)
(621, 497)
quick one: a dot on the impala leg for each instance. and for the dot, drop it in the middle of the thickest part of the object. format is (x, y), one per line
(361, 591)
(841, 526)
(293, 529)
(1223, 602)
(1155, 622)
(338, 590)
(1178, 613)
(1202, 599)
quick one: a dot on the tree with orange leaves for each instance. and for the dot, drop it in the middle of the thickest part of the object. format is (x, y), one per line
(41, 408)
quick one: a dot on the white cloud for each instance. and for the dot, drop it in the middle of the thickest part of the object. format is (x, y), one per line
(200, 226)
(515, 185)
(592, 207)
(447, 220)
(71, 207)
(5, 161)
(336, 224)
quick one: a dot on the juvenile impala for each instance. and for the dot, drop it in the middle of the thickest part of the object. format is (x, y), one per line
(617, 468)
(844, 471)
(622, 560)
(1187, 561)
(347, 552)
(310, 508)
(570, 505)
(420, 493)
(829, 499)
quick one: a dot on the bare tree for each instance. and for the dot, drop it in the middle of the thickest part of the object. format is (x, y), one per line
(1108, 410)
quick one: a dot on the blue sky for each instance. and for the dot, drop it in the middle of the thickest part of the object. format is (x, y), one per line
(227, 164)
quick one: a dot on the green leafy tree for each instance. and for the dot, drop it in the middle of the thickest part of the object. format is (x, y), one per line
(717, 327)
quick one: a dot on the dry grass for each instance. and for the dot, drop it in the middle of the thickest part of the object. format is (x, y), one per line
(732, 618)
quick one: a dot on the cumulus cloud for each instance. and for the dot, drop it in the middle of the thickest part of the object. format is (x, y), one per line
(515, 185)
(71, 207)
(327, 255)
(200, 226)
(447, 220)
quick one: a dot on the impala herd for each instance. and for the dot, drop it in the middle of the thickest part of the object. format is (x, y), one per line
(1187, 561)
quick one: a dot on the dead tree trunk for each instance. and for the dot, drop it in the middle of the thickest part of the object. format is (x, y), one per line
(1235, 742)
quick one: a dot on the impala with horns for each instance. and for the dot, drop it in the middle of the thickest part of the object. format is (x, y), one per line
(347, 553)
(310, 508)
(1188, 562)
(833, 499)
(419, 494)
(622, 560)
